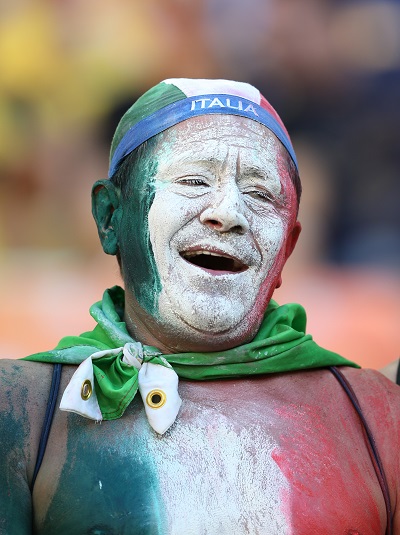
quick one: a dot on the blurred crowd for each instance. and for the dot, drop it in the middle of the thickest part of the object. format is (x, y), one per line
(69, 68)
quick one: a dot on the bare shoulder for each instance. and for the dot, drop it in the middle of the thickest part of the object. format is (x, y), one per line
(374, 388)
(23, 381)
(24, 390)
(379, 399)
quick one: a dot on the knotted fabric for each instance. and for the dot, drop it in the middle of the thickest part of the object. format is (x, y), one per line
(114, 362)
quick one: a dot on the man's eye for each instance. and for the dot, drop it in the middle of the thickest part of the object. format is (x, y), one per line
(260, 194)
(191, 181)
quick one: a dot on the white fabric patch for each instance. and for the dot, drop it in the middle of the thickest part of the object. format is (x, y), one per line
(133, 354)
(151, 377)
(72, 400)
(194, 88)
(154, 377)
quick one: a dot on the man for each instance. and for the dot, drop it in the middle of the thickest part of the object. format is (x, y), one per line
(269, 433)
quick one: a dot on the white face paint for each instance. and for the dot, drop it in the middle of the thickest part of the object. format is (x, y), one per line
(223, 208)
(234, 486)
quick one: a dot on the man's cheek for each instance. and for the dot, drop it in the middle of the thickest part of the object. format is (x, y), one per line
(269, 234)
(270, 282)
(271, 240)
(139, 268)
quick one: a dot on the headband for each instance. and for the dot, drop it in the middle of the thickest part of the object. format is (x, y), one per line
(177, 99)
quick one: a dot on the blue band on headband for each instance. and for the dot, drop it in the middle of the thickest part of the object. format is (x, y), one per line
(193, 107)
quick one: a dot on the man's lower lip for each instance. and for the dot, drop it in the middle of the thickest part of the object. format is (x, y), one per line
(216, 272)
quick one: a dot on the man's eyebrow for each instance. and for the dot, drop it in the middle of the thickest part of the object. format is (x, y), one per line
(211, 163)
(250, 171)
(208, 161)
(192, 158)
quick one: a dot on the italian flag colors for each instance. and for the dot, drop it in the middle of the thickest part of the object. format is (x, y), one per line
(178, 99)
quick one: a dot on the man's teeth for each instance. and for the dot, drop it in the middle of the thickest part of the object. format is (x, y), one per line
(195, 253)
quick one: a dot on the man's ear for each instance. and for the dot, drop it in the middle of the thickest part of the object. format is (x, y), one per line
(292, 239)
(290, 245)
(106, 210)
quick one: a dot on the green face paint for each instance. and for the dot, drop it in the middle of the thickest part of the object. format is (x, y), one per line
(138, 265)
(15, 500)
(109, 485)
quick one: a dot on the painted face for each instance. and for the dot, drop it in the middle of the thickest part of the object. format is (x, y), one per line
(222, 210)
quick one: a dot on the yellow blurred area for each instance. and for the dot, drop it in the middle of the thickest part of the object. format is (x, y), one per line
(69, 71)
(70, 67)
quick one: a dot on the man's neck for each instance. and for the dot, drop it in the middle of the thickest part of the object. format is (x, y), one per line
(144, 328)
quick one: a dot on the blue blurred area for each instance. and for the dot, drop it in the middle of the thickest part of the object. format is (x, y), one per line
(356, 132)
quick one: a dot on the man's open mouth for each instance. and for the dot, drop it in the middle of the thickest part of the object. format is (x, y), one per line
(214, 261)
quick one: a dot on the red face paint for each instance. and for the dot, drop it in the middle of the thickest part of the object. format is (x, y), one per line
(332, 482)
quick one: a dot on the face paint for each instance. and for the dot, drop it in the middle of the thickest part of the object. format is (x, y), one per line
(138, 265)
(218, 225)
(233, 483)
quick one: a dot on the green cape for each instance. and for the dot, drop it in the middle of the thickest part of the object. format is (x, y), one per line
(280, 345)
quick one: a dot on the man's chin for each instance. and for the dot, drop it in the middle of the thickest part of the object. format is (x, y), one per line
(212, 327)
(203, 312)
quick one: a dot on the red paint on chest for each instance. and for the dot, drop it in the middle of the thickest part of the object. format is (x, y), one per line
(331, 481)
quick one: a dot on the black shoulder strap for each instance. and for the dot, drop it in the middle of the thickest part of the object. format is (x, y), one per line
(398, 374)
(372, 449)
(51, 404)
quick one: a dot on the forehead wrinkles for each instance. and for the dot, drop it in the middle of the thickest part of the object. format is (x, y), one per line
(212, 139)
(217, 128)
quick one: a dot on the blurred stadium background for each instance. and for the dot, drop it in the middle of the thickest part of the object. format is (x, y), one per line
(70, 68)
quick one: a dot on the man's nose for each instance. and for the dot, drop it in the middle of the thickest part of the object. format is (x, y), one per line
(225, 213)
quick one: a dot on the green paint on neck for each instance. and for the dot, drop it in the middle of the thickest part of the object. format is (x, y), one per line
(139, 266)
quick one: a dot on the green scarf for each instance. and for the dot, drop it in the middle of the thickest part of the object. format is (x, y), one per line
(280, 345)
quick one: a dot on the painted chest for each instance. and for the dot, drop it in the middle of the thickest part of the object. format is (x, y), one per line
(277, 455)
